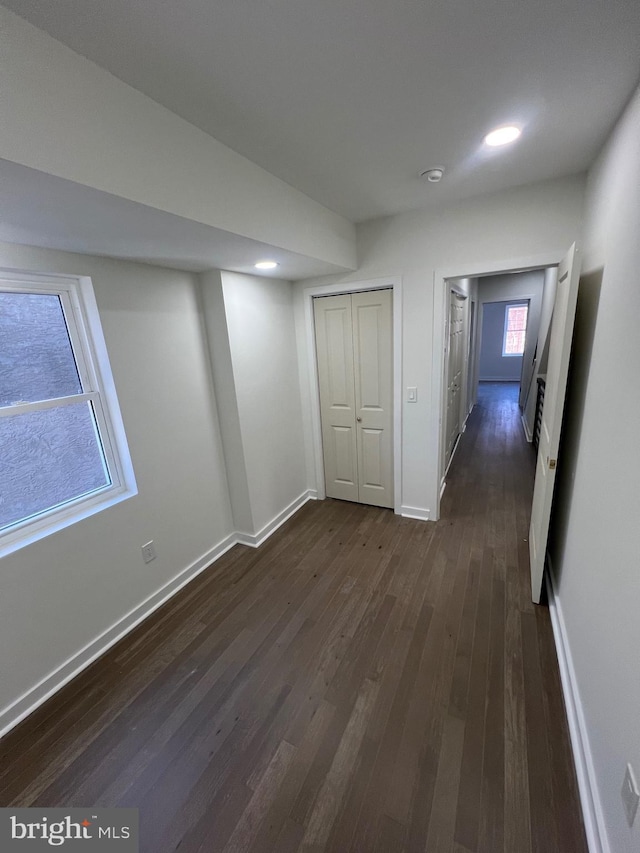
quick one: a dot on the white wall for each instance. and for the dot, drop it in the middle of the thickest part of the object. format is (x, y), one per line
(596, 539)
(172, 338)
(61, 592)
(224, 381)
(493, 366)
(104, 134)
(259, 315)
(513, 286)
(537, 223)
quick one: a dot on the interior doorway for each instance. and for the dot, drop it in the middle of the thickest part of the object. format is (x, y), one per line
(555, 346)
(497, 347)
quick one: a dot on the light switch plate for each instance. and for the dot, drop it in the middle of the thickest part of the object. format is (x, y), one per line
(630, 795)
(412, 394)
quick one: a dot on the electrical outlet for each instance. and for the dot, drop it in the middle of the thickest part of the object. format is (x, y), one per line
(630, 795)
(148, 552)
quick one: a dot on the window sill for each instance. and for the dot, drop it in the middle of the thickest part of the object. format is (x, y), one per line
(14, 540)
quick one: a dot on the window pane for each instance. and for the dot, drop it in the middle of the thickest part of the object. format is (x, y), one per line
(517, 318)
(48, 457)
(36, 359)
(514, 343)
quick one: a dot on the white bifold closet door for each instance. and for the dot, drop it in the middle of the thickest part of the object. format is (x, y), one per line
(355, 371)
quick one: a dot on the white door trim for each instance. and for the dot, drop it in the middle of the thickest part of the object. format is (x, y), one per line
(395, 284)
(453, 287)
(441, 286)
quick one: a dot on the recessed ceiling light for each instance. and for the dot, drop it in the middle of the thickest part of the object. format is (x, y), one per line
(502, 136)
(266, 265)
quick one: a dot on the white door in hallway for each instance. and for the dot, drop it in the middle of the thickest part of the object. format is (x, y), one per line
(455, 365)
(564, 311)
(355, 363)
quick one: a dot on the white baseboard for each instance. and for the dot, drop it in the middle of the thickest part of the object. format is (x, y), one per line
(55, 680)
(594, 823)
(416, 512)
(254, 540)
(525, 426)
(443, 486)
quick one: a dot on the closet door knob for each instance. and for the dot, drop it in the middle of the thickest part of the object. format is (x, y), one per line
(358, 419)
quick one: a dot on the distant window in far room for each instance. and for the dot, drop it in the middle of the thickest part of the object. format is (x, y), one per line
(515, 329)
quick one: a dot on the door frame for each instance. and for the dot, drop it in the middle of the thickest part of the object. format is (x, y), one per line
(453, 287)
(393, 283)
(471, 372)
(441, 287)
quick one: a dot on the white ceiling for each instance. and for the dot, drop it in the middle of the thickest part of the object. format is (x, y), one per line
(42, 210)
(348, 100)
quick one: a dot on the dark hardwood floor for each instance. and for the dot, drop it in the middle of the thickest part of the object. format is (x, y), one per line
(360, 683)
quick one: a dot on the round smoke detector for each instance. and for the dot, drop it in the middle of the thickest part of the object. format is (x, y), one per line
(433, 175)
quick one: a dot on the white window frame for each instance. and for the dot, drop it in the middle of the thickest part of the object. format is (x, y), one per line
(92, 362)
(521, 304)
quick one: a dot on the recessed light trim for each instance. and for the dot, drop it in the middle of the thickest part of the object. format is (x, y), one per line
(266, 265)
(502, 136)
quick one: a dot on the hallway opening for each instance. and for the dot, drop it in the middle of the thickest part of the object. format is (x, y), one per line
(510, 284)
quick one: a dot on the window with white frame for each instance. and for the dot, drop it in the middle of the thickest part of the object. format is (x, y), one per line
(63, 454)
(515, 328)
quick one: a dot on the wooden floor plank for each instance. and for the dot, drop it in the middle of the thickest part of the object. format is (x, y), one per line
(330, 795)
(492, 819)
(265, 793)
(361, 682)
(470, 793)
(443, 811)
(277, 818)
(543, 825)
(564, 788)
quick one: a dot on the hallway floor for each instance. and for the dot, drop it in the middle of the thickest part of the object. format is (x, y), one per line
(361, 682)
